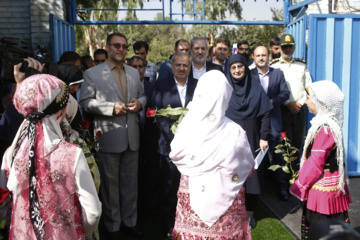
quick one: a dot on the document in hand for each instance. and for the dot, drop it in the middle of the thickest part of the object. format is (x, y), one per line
(260, 157)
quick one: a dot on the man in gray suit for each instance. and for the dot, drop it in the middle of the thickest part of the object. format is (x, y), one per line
(113, 94)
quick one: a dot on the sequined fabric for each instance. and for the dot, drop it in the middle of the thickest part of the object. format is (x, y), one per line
(59, 204)
(233, 225)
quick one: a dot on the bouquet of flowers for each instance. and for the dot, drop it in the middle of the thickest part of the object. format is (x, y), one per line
(289, 154)
(170, 113)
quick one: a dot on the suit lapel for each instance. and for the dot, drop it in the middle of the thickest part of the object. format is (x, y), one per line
(190, 90)
(271, 82)
(129, 83)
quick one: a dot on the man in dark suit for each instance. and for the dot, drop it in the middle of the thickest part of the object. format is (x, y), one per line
(176, 91)
(198, 52)
(274, 84)
(149, 159)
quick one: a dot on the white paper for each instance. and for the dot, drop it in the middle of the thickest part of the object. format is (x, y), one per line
(260, 157)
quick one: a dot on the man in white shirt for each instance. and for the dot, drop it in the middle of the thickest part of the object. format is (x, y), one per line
(297, 78)
(198, 52)
(274, 84)
(176, 92)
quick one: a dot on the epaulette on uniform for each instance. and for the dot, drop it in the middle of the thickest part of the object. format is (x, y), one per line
(274, 61)
(299, 60)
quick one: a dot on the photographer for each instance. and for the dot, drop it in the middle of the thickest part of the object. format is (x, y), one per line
(10, 119)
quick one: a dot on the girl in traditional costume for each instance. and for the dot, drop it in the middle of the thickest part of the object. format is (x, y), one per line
(322, 183)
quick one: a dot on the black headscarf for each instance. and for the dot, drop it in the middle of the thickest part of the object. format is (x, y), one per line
(248, 100)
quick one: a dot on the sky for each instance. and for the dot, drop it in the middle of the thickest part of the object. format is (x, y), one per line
(252, 9)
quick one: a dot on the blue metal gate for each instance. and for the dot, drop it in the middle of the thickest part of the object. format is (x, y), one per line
(334, 54)
(63, 36)
(297, 28)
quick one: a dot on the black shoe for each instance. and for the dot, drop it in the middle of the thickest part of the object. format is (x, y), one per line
(284, 196)
(133, 231)
(252, 222)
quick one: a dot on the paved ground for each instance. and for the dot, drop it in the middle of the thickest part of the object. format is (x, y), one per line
(289, 212)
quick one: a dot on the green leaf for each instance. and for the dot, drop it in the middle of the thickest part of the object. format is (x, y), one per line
(173, 127)
(291, 181)
(90, 165)
(279, 146)
(274, 167)
(285, 169)
(294, 148)
(286, 159)
(278, 151)
(88, 155)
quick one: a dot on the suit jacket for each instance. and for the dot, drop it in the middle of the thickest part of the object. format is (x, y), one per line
(165, 71)
(166, 93)
(150, 128)
(278, 92)
(99, 93)
(209, 66)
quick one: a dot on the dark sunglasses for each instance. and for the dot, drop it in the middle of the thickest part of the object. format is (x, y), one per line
(118, 46)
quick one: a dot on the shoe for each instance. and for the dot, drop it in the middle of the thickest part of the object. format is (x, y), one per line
(252, 222)
(133, 231)
(284, 196)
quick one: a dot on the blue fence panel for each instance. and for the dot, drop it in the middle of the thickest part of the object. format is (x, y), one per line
(63, 36)
(297, 29)
(334, 54)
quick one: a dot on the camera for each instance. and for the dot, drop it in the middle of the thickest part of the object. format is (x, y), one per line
(12, 52)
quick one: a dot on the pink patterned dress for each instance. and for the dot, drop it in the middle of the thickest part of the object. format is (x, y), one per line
(232, 225)
(59, 204)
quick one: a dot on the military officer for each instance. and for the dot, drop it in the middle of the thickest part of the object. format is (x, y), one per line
(297, 78)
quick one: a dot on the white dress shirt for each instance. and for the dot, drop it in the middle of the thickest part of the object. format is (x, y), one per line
(182, 91)
(197, 73)
(264, 80)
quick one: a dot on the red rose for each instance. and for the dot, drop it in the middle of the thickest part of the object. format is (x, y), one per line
(283, 135)
(150, 112)
(85, 124)
(98, 133)
(3, 194)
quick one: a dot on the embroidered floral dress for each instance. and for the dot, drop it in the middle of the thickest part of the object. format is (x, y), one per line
(232, 225)
(318, 182)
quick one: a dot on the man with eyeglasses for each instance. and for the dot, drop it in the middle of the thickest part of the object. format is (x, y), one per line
(244, 49)
(113, 94)
(100, 56)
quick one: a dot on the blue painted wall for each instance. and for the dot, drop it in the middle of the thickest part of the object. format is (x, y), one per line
(334, 54)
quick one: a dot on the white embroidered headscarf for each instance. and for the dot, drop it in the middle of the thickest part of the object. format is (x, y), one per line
(211, 149)
(329, 101)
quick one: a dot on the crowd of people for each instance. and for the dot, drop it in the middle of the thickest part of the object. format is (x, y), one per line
(202, 179)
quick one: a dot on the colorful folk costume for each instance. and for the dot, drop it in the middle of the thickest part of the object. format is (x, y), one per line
(53, 196)
(322, 182)
(214, 157)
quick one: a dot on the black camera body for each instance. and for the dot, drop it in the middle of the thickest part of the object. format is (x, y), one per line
(12, 52)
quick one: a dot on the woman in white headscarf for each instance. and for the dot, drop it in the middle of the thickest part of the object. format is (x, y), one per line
(52, 192)
(214, 157)
(322, 182)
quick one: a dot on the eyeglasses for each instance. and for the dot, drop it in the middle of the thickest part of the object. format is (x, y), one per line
(118, 46)
(138, 66)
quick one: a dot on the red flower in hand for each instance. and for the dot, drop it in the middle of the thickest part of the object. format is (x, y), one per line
(3, 194)
(150, 112)
(283, 135)
(85, 124)
(98, 133)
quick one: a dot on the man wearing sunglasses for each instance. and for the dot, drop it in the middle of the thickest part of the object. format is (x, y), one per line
(113, 94)
(100, 56)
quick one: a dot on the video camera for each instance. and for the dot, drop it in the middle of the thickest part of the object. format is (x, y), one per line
(13, 51)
